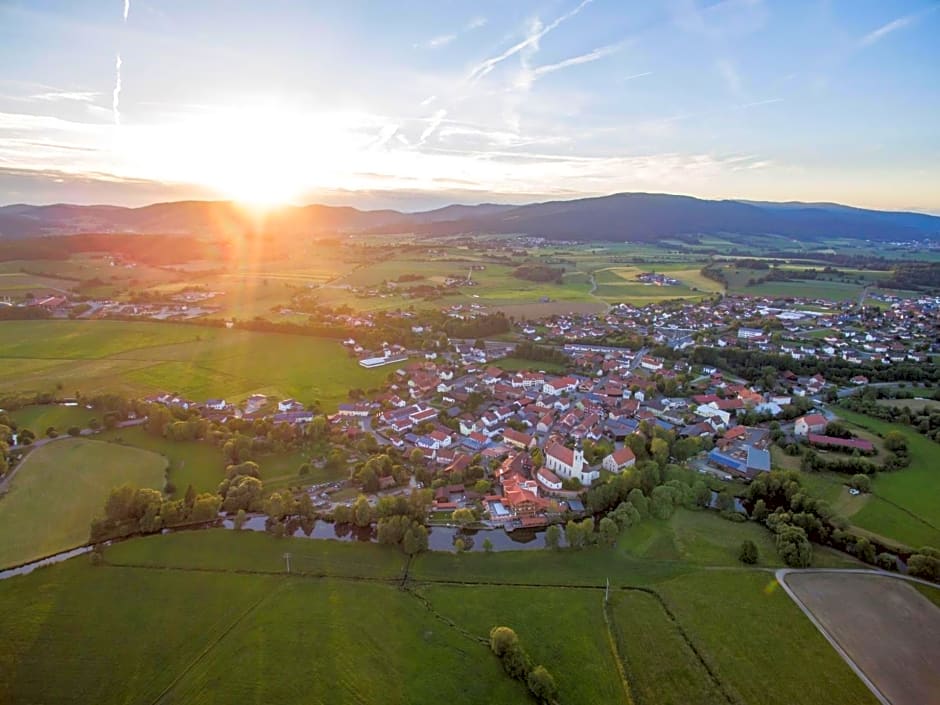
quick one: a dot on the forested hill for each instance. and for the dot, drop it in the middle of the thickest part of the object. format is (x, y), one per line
(623, 217)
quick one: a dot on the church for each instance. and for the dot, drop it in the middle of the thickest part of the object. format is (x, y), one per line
(567, 462)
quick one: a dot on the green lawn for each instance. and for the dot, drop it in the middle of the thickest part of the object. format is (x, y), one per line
(222, 549)
(174, 636)
(195, 463)
(906, 504)
(513, 364)
(60, 488)
(758, 643)
(660, 665)
(39, 417)
(138, 358)
(561, 629)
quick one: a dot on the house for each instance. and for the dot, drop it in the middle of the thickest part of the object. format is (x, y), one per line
(558, 385)
(811, 423)
(549, 480)
(619, 460)
(651, 363)
(518, 439)
(360, 410)
(216, 404)
(443, 439)
(289, 405)
(569, 463)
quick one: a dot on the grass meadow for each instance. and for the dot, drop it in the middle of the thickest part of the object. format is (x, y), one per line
(200, 362)
(60, 487)
(223, 623)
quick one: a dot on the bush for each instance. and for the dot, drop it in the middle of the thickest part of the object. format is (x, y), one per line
(748, 553)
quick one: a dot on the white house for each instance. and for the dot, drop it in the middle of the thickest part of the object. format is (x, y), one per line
(548, 479)
(811, 423)
(569, 463)
(619, 460)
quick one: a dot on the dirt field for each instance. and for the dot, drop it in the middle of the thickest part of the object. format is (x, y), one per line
(888, 629)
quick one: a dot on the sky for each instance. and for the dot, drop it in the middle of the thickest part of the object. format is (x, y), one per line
(417, 104)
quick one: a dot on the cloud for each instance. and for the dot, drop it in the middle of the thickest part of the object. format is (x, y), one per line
(127, 8)
(531, 40)
(437, 42)
(55, 96)
(433, 123)
(476, 23)
(636, 75)
(116, 93)
(427, 101)
(884, 30)
(590, 56)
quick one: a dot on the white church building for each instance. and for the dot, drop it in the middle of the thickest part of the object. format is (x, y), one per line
(567, 462)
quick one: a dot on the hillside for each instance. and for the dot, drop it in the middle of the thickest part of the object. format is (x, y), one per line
(624, 217)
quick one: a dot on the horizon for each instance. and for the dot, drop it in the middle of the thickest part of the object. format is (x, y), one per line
(428, 106)
(415, 211)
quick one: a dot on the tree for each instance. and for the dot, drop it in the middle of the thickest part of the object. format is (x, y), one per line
(487, 545)
(552, 536)
(362, 512)
(640, 502)
(574, 536)
(415, 540)
(503, 640)
(609, 531)
(895, 441)
(925, 564)
(659, 449)
(860, 482)
(542, 685)
(794, 547)
(760, 511)
(725, 501)
(748, 553)
(239, 519)
(463, 516)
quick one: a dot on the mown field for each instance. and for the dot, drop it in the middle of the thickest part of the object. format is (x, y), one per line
(138, 358)
(167, 619)
(60, 487)
(905, 505)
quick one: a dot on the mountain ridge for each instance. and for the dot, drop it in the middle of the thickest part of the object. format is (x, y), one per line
(620, 217)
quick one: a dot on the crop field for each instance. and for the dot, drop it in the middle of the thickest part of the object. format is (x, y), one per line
(886, 626)
(143, 358)
(906, 503)
(60, 487)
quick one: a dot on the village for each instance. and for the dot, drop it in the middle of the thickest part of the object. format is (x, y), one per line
(542, 438)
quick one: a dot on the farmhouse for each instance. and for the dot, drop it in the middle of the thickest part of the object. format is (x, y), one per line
(619, 460)
(811, 423)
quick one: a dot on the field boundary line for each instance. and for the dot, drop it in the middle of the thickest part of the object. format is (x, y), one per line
(613, 641)
(215, 642)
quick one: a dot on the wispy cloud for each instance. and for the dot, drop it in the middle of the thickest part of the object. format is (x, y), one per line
(531, 39)
(476, 23)
(437, 42)
(127, 8)
(433, 123)
(116, 93)
(587, 58)
(427, 101)
(636, 75)
(884, 30)
(56, 96)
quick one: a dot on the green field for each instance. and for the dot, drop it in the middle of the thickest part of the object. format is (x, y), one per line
(138, 358)
(514, 364)
(39, 417)
(905, 505)
(59, 488)
(210, 615)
